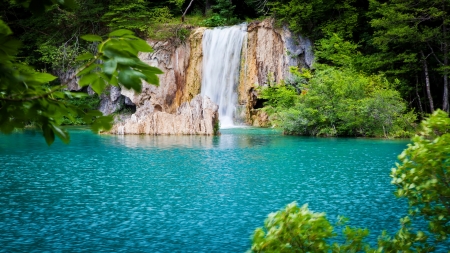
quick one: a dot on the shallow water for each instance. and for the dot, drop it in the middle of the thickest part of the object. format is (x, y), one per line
(106, 193)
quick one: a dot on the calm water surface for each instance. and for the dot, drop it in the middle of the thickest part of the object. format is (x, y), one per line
(184, 193)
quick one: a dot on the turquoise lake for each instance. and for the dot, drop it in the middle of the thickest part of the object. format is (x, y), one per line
(105, 193)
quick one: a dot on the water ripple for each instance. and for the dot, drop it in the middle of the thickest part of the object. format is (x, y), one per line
(184, 193)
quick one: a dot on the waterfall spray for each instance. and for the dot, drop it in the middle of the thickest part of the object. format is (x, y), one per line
(221, 59)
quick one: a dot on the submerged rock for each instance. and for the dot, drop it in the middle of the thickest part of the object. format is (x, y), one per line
(199, 116)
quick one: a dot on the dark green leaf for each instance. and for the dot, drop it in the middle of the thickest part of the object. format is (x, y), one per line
(85, 56)
(98, 85)
(130, 80)
(120, 32)
(91, 37)
(109, 67)
(62, 134)
(102, 123)
(140, 45)
(48, 133)
(150, 77)
(87, 69)
(88, 79)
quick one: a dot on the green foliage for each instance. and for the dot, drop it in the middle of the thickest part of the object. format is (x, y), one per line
(297, 229)
(336, 51)
(27, 97)
(314, 18)
(423, 175)
(343, 103)
(278, 97)
(135, 15)
(223, 14)
(214, 20)
(84, 102)
(117, 62)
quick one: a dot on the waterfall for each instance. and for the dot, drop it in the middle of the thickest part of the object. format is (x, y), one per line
(220, 74)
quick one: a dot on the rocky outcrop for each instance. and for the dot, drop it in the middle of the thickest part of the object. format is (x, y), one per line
(199, 116)
(265, 60)
(267, 54)
(181, 80)
(111, 100)
(194, 69)
(68, 77)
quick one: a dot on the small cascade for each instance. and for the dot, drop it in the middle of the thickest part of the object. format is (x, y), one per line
(220, 74)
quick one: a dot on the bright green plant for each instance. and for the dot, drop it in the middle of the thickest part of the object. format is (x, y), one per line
(278, 97)
(135, 15)
(423, 175)
(117, 62)
(214, 20)
(27, 96)
(343, 102)
(297, 229)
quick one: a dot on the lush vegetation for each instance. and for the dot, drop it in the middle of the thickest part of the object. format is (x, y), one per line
(422, 177)
(404, 42)
(338, 102)
(28, 96)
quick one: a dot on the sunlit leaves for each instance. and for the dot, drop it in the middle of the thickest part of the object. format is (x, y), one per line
(298, 229)
(339, 102)
(423, 176)
(91, 37)
(117, 59)
(28, 98)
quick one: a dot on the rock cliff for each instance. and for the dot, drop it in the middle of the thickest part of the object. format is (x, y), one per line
(266, 56)
(199, 116)
(265, 59)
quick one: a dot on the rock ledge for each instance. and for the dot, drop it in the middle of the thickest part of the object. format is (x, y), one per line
(199, 116)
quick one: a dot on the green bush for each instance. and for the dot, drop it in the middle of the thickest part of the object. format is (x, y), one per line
(422, 177)
(85, 103)
(344, 102)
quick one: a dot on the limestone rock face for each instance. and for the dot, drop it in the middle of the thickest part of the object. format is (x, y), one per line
(111, 100)
(266, 58)
(194, 70)
(181, 79)
(199, 116)
(68, 78)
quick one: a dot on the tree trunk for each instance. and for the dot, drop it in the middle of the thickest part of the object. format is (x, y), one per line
(427, 81)
(185, 11)
(417, 94)
(445, 106)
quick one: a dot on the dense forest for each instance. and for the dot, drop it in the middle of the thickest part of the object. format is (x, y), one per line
(396, 50)
(406, 41)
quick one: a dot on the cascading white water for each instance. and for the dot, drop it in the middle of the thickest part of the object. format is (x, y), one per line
(220, 74)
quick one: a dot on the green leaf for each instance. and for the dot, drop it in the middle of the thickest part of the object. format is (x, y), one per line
(88, 79)
(150, 77)
(42, 77)
(109, 67)
(141, 45)
(120, 33)
(102, 123)
(91, 37)
(85, 56)
(114, 81)
(87, 69)
(98, 85)
(48, 133)
(62, 134)
(130, 80)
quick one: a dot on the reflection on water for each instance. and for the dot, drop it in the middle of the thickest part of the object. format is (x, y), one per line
(107, 193)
